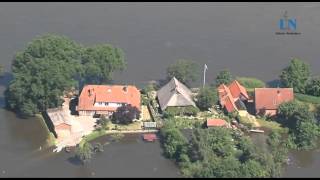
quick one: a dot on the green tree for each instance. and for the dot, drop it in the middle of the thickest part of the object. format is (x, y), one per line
(1, 70)
(313, 87)
(302, 124)
(174, 142)
(100, 62)
(186, 71)
(249, 82)
(103, 122)
(296, 75)
(306, 135)
(287, 110)
(42, 72)
(84, 151)
(206, 98)
(224, 77)
(125, 114)
(317, 113)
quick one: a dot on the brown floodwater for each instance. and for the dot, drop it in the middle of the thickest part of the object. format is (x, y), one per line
(237, 36)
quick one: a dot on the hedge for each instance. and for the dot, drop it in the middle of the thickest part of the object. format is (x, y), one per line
(181, 111)
(307, 98)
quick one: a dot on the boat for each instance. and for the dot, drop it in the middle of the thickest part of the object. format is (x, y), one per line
(67, 149)
(257, 130)
(58, 149)
(150, 137)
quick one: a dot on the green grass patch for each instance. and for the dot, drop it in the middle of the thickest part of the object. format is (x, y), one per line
(50, 140)
(274, 126)
(250, 83)
(186, 123)
(307, 98)
(125, 127)
(95, 134)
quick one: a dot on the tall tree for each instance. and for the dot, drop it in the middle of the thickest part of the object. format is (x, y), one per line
(125, 114)
(186, 71)
(313, 87)
(206, 98)
(84, 151)
(100, 62)
(224, 77)
(296, 75)
(47, 67)
(1, 70)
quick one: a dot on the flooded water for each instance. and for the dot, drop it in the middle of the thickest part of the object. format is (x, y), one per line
(238, 36)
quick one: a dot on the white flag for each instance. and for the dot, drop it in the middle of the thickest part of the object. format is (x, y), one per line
(205, 66)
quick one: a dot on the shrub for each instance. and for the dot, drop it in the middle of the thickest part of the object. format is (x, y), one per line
(125, 114)
(206, 98)
(191, 111)
(180, 111)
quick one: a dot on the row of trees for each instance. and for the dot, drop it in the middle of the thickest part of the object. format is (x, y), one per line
(298, 76)
(220, 153)
(51, 65)
(304, 129)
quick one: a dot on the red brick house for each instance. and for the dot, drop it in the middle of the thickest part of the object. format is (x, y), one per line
(232, 97)
(267, 100)
(105, 99)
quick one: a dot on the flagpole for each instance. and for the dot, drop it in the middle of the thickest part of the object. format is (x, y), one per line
(204, 75)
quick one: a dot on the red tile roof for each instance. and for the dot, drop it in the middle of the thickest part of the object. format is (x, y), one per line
(216, 122)
(229, 95)
(270, 98)
(108, 93)
(236, 90)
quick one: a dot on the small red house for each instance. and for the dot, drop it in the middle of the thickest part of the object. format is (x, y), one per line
(267, 100)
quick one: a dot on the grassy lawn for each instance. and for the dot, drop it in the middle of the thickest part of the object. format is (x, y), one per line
(185, 123)
(307, 98)
(132, 126)
(312, 107)
(95, 134)
(274, 126)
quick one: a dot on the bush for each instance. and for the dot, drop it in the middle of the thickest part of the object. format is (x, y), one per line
(180, 111)
(191, 111)
(249, 82)
(144, 100)
(126, 114)
(149, 87)
(313, 87)
(206, 98)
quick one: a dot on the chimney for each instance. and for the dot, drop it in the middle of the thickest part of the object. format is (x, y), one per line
(125, 89)
(90, 92)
